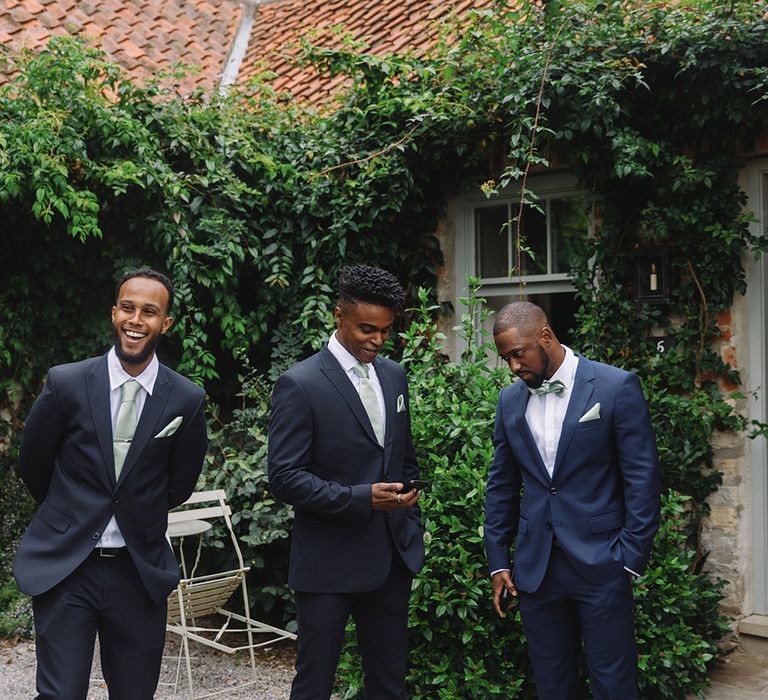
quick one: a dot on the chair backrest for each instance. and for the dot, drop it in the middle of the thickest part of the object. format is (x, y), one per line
(207, 505)
(205, 594)
(220, 510)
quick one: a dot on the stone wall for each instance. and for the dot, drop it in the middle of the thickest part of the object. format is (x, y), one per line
(727, 532)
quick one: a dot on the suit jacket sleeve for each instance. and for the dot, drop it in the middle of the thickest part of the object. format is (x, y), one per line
(43, 434)
(639, 464)
(186, 461)
(290, 459)
(502, 497)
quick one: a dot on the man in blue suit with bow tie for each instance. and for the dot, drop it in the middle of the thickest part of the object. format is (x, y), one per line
(340, 451)
(575, 436)
(110, 445)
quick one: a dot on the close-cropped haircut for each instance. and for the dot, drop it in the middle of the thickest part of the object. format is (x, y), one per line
(369, 285)
(151, 274)
(527, 317)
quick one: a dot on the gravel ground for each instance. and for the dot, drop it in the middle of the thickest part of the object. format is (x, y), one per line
(211, 671)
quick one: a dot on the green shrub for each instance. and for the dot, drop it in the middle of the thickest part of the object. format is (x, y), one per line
(15, 612)
(677, 611)
(16, 509)
(237, 463)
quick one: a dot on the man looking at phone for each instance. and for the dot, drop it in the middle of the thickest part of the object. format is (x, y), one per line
(340, 452)
(576, 436)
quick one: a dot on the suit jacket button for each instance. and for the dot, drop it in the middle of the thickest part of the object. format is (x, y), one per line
(553, 491)
(549, 526)
(95, 536)
(116, 499)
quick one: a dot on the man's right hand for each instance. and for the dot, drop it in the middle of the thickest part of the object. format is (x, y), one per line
(502, 580)
(386, 496)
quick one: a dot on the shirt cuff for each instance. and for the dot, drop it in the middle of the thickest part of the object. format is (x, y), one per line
(634, 573)
(493, 573)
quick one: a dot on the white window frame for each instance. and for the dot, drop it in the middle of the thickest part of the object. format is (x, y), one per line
(754, 181)
(550, 186)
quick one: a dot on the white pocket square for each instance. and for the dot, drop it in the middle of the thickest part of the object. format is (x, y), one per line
(400, 403)
(592, 414)
(171, 428)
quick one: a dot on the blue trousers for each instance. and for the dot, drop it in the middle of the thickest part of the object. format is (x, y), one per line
(568, 613)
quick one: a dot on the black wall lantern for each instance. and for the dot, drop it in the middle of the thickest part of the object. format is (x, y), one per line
(652, 277)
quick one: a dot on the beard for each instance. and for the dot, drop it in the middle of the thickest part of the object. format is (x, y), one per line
(536, 379)
(137, 358)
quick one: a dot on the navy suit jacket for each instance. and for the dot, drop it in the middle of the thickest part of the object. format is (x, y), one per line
(67, 462)
(323, 459)
(602, 502)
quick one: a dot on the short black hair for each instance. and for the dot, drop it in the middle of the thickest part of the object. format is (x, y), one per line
(370, 285)
(151, 274)
(526, 316)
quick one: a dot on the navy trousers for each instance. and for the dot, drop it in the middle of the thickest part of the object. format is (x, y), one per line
(103, 596)
(381, 620)
(568, 613)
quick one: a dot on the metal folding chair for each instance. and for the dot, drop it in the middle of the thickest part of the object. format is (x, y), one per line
(204, 596)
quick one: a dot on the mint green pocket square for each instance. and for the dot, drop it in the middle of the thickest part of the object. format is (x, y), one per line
(171, 428)
(592, 414)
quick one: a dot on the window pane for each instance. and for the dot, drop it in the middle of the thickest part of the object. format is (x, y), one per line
(491, 241)
(570, 227)
(533, 243)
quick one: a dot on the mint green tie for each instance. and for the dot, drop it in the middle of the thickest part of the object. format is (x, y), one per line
(370, 402)
(125, 425)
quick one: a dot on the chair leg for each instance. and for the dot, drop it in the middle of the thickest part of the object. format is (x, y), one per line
(185, 641)
(249, 628)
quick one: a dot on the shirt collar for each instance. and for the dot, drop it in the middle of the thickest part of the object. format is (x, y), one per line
(566, 372)
(118, 376)
(345, 358)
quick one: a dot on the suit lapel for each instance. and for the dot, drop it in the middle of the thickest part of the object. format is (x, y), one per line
(332, 369)
(522, 428)
(150, 415)
(97, 386)
(583, 387)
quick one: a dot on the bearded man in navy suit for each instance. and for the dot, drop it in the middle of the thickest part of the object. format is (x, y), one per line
(576, 437)
(340, 451)
(111, 444)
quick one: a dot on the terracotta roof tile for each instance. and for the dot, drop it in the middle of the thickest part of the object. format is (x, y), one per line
(147, 36)
(134, 33)
(387, 26)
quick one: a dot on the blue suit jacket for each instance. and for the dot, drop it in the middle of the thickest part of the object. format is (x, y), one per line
(67, 462)
(602, 501)
(323, 459)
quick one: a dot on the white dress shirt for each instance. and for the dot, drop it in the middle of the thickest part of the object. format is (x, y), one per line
(545, 414)
(347, 361)
(112, 537)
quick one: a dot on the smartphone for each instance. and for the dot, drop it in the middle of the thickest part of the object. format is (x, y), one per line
(506, 600)
(415, 484)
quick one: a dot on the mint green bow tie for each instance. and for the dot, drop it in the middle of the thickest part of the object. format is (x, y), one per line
(557, 388)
